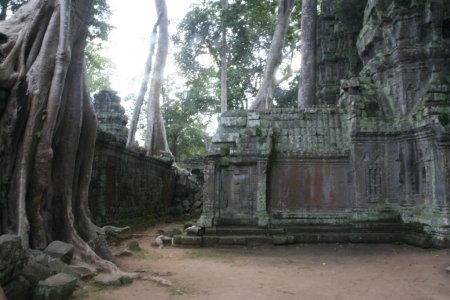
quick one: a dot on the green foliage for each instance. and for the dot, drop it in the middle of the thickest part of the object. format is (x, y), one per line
(185, 126)
(100, 27)
(99, 68)
(286, 97)
(249, 29)
(11, 5)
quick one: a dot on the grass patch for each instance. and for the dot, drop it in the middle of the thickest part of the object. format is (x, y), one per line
(181, 289)
(90, 290)
(208, 253)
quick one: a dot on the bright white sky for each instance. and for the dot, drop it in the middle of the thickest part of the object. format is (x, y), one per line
(129, 41)
(129, 44)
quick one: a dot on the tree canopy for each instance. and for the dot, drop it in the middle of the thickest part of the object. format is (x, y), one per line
(250, 26)
(99, 67)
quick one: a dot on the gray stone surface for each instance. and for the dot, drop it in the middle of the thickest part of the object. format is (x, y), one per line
(12, 258)
(100, 246)
(19, 289)
(83, 270)
(127, 184)
(61, 250)
(372, 164)
(111, 115)
(134, 245)
(35, 272)
(112, 279)
(57, 287)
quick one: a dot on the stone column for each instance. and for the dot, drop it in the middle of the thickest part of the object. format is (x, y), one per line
(209, 195)
(261, 192)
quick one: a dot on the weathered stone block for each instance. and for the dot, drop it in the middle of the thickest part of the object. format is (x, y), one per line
(83, 270)
(225, 137)
(35, 272)
(253, 116)
(189, 240)
(233, 121)
(12, 257)
(253, 123)
(279, 240)
(19, 289)
(112, 279)
(57, 287)
(61, 250)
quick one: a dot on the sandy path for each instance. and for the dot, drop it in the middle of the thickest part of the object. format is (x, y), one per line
(313, 271)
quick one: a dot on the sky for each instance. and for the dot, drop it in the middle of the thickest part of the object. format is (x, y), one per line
(129, 40)
(128, 45)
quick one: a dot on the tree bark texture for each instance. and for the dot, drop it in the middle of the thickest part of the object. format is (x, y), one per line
(307, 79)
(47, 128)
(143, 89)
(155, 138)
(264, 97)
(3, 9)
(223, 65)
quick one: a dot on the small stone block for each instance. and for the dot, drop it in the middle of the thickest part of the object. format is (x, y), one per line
(191, 240)
(58, 249)
(280, 240)
(254, 123)
(112, 279)
(57, 287)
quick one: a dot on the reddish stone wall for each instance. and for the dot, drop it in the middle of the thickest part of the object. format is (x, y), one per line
(308, 184)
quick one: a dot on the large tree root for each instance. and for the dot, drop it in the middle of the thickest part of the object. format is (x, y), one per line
(47, 129)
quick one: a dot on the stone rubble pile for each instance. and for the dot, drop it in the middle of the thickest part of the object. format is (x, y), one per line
(38, 275)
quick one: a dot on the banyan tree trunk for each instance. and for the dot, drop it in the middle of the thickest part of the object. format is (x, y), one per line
(264, 97)
(47, 128)
(155, 137)
(307, 77)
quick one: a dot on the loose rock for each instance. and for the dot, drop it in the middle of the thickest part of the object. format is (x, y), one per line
(58, 249)
(112, 279)
(134, 246)
(57, 287)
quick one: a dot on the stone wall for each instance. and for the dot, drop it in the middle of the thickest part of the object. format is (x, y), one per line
(337, 57)
(314, 168)
(373, 166)
(126, 184)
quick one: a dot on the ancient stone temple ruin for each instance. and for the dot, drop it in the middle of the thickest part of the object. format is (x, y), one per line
(111, 115)
(371, 163)
(124, 183)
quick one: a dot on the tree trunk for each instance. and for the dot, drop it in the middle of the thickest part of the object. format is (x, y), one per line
(223, 65)
(155, 138)
(3, 9)
(47, 128)
(264, 98)
(143, 89)
(307, 79)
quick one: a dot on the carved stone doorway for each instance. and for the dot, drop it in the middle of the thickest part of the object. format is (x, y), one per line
(237, 199)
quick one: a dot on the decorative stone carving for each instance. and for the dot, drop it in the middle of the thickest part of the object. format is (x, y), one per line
(373, 168)
(111, 115)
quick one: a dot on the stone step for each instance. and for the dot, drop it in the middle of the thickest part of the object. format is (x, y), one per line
(226, 231)
(237, 240)
(291, 229)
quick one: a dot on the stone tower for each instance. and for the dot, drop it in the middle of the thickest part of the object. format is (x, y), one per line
(111, 115)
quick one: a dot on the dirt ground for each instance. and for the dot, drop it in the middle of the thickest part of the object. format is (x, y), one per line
(312, 271)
